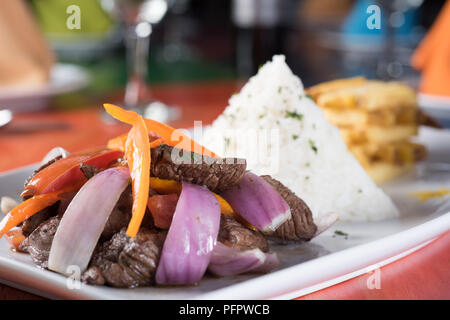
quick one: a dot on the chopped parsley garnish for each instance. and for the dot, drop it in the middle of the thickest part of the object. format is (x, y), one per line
(279, 89)
(340, 233)
(307, 164)
(195, 158)
(261, 116)
(313, 146)
(227, 142)
(294, 136)
(309, 96)
(293, 114)
(307, 178)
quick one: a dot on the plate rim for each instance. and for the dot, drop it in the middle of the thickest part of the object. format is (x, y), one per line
(48, 89)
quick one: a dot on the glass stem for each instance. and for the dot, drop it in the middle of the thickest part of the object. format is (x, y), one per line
(137, 47)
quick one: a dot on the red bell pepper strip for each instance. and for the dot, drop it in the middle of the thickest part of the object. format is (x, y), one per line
(66, 172)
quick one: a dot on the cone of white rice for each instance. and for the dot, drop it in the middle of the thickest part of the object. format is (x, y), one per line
(280, 131)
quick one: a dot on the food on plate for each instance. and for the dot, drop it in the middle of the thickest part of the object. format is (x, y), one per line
(148, 209)
(431, 194)
(208, 171)
(376, 120)
(307, 155)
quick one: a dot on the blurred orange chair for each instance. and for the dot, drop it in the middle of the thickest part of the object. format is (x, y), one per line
(432, 57)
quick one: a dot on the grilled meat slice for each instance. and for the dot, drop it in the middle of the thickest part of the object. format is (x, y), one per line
(120, 216)
(235, 235)
(39, 242)
(301, 225)
(93, 276)
(30, 224)
(176, 164)
(126, 262)
(88, 170)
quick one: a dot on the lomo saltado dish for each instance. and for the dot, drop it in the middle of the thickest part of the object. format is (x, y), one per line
(153, 207)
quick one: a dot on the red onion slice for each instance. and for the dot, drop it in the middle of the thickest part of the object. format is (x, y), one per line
(191, 237)
(226, 261)
(258, 202)
(85, 218)
(269, 264)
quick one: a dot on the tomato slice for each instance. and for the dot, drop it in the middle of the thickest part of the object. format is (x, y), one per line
(162, 208)
(66, 172)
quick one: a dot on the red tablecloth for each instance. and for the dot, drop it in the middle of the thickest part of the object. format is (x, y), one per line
(425, 274)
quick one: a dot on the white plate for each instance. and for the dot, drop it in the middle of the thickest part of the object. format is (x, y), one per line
(326, 260)
(436, 106)
(64, 78)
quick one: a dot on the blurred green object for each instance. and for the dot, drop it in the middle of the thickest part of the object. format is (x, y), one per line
(53, 16)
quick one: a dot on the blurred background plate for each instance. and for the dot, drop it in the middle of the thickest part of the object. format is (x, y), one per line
(437, 106)
(64, 78)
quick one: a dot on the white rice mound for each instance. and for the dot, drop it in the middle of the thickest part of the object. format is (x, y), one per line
(304, 151)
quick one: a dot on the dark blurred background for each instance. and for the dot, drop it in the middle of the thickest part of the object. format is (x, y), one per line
(201, 40)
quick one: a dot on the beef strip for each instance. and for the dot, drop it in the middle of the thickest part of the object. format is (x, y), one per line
(88, 170)
(235, 235)
(126, 262)
(30, 224)
(120, 216)
(93, 276)
(215, 173)
(301, 225)
(39, 242)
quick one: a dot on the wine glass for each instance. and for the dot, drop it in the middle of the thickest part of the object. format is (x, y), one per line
(138, 17)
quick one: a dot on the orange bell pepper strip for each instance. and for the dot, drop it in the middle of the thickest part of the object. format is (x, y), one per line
(157, 143)
(15, 237)
(172, 136)
(163, 186)
(118, 142)
(26, 209)
(137, 152)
